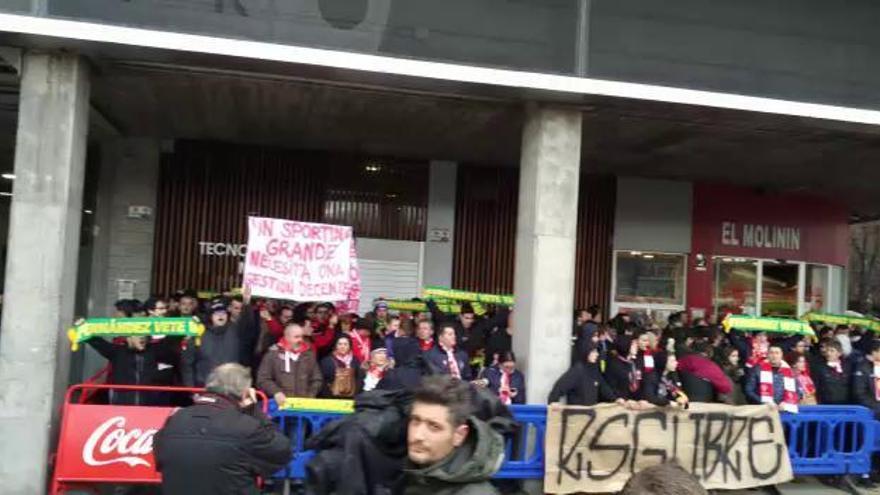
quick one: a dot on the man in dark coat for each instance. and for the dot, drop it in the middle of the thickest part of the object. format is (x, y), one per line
(586, 325)
(221, 343)
(833, 376)
(214, 447)
(446, 359)
(136, 362)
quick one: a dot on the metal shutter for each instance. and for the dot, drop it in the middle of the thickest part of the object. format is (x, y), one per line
(388, 279)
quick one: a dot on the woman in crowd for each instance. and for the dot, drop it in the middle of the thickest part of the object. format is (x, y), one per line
(801, 369)
(623, 372)
(341, 370)
(730, 363)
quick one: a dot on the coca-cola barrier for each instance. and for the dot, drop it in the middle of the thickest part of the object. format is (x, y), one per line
(110, 444)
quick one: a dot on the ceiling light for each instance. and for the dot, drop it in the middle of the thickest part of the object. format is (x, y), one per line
(648, 256)
(7, 194)
(635, 253)
(87, 212)
(8, 176)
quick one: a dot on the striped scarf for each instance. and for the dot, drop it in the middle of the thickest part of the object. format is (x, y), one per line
(789, 396)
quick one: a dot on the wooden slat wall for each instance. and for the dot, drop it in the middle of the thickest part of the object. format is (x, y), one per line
(485, 233)
(485, 228)
(207, 191)
(595, 237)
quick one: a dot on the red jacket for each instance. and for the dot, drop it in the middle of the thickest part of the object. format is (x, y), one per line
(703, 367)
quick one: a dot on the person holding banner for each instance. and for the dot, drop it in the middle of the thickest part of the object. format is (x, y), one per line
(583, 384)
(135, 362)
(664, 389)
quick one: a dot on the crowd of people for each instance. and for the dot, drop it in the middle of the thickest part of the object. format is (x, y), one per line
(310, 350)
(637, 363)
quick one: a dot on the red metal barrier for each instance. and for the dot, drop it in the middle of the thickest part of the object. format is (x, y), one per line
(108, 443)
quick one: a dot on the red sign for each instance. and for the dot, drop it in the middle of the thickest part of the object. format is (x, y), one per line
(109, 443)
(742, 222)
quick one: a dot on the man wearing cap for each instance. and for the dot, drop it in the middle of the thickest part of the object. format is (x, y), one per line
(220, 344)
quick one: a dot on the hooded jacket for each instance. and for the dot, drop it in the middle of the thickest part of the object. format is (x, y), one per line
(582, 385)
(466, 471)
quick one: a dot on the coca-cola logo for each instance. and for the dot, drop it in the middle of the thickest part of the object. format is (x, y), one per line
(111, 443)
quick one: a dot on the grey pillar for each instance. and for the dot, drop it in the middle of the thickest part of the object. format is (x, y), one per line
(42, 262)
(545, 246)
(437, 267)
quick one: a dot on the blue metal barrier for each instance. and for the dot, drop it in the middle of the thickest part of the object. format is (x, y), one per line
(822, 440)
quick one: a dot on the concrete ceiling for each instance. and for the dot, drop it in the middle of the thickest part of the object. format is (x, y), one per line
(625, 138)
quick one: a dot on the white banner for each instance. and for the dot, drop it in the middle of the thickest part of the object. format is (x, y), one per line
(298, 261)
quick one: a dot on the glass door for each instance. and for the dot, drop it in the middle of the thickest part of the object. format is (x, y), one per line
(779, 289)
(736, 286)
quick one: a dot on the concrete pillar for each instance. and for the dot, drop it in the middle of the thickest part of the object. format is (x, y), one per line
(41, 265)
(123, 243)
(437, 266)
(545, 246)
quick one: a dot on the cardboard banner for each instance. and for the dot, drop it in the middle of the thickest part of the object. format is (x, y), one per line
(746, 323)
(298, 261)
(83, 330)
(597, 449)
(463, 295)
(350, 305)
(856, 321)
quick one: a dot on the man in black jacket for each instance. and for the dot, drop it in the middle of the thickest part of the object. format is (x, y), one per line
(832, 376)
(583, 383)
(215, 447)
(136, 362)
(221, 343)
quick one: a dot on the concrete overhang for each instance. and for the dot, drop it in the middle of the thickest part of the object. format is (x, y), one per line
(155, 84)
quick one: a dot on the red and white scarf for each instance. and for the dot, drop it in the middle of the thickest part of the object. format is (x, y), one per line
(373, 376)
(344, 360)
(451, 363)
(426, 345)
(759, 352)
(836, 366)
(648, 360)
(789, 396)
(504, 388)
(289, 354)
